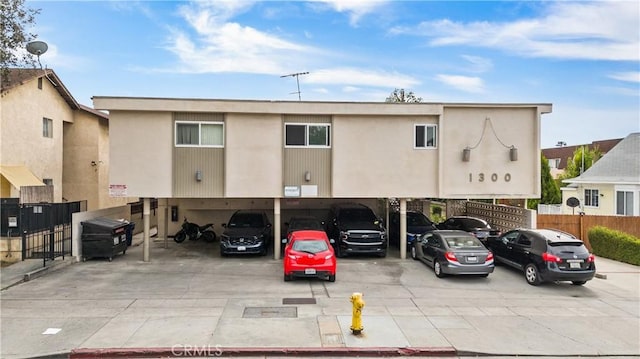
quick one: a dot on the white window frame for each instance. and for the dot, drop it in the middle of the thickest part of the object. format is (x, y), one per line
(554, 163)
(415, 134)
(634, 200)
(47, 127)
(199, 123)
(306, 135)
(591, 197)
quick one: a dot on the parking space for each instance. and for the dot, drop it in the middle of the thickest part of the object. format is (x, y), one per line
(188, 294)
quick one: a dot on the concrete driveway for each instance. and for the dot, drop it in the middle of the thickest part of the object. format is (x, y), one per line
(188, 297)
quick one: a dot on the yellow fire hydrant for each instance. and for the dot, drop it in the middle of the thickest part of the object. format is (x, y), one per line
(356, 319)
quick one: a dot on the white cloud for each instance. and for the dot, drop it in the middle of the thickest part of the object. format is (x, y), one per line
(350, 89)
(478, 64)
(463, 83)
(355, 8)
(630, 76)
(223, 46)
(351, 76)
(568, 30)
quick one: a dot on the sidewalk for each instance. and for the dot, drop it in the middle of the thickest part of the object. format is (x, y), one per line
(188, 299)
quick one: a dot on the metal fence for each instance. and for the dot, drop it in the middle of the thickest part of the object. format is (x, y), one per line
(46, 229)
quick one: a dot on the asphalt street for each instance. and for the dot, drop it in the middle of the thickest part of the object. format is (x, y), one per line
(188, 301)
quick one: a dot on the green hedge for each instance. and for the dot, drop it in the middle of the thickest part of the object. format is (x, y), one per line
(614, 244)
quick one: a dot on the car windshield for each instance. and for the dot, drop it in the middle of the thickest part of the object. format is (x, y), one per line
(473, 223)
(417, 219)
(357, 215)
(463, 242)
(246, 220)
(305, 223)
(310, 246)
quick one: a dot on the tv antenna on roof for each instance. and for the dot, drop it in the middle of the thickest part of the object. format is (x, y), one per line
(297, 81)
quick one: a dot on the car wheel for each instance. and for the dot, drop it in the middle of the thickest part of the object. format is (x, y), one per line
(332, 277)
(414, 255)
(339, 253)
(437, 269)
(287, 277)
(382, 255)
(579, 282)
(531, 274)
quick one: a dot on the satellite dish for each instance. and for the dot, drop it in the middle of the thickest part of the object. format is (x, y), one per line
(573, 202)
(37, 47)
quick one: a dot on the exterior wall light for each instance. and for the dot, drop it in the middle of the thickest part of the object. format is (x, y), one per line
(466, 154)
(198, 175)
(307, 176)
(513, 153)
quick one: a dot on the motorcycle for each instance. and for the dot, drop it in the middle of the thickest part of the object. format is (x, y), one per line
(194, 232)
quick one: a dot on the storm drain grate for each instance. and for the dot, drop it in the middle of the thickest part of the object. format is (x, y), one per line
(298, 300)
(270, 312)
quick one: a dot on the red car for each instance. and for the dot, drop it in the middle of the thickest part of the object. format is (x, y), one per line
(309, 253)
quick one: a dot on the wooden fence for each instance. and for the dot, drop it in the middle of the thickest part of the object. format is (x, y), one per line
(579, 225)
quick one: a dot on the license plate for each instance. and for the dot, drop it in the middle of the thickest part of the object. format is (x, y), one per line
(309, 271)
(574, 265)
(472, 259)
(482, 234)
(242, 248)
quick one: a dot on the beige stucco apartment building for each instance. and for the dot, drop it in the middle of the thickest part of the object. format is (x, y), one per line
(48, 138)
(206, 158)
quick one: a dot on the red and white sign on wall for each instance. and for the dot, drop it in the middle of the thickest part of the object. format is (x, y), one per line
(118, 190)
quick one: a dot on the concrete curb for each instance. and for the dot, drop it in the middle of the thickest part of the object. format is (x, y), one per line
(218, 351)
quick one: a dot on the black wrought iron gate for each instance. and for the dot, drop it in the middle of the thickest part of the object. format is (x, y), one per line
(47, 230)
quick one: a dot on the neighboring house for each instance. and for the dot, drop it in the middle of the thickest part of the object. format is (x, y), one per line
(559, 156)
(49, 139)
(612, 185)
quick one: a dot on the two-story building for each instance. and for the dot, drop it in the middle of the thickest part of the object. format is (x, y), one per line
(205, 158)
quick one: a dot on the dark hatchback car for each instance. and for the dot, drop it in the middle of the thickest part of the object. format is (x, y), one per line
(476, 226)
(545, 255)
(355, 229)
(417, 223)
(300, 223)
(247, 232)
(453, 253)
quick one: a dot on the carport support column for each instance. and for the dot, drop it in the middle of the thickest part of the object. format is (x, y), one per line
(146, 212)
(403, 228)
(276, 228)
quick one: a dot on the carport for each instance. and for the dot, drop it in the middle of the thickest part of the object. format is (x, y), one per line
(216, 154)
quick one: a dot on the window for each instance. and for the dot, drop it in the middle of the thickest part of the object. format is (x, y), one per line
(47, 181)
(199, 134)
(554, 162)
(307, 135)
(624, 203)
(591, 197)
(47, 127)
(426, 136)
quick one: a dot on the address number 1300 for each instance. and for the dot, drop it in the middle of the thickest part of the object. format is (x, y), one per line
(494, 177)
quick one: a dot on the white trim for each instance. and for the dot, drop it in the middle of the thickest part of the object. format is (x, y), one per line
(306, 134)
(199, 123)
(425, 125)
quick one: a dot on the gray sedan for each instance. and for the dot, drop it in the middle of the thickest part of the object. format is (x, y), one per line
(453, 252)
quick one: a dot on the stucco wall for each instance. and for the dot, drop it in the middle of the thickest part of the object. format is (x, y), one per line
(373, 155)
(253, 155)
(490, 173)
(23, 108)
(140, 146)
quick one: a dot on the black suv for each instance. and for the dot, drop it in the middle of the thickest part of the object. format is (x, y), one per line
(545, 255)
(355, 228)
(248, 232)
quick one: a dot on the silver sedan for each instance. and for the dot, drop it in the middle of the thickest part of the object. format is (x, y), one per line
(453, 252)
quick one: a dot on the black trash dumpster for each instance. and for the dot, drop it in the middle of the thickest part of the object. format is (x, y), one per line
(104, 238)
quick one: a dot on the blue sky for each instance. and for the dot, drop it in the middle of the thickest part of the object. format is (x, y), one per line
(581, 56)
